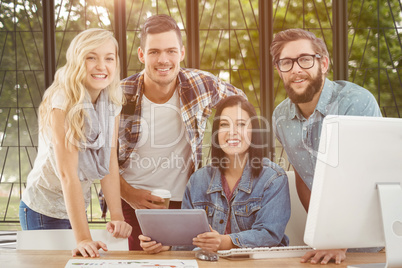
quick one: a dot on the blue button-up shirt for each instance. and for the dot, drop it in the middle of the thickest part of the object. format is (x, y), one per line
(259, 208)
(300, 137)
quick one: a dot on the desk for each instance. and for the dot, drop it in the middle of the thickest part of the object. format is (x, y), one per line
(55, 259)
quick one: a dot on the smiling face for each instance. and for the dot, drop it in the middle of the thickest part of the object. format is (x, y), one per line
(100, 64)
(302, 84)
(161, 55)
(235, 131)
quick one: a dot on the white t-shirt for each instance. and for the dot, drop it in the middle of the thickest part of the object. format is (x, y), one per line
(163, 156)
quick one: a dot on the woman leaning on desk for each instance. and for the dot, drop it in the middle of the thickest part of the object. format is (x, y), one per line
(78, 122)
(245, 196)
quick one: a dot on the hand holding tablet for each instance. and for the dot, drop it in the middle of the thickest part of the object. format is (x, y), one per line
(172, 227)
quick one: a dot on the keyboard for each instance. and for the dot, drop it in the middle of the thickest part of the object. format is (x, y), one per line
(265, 252)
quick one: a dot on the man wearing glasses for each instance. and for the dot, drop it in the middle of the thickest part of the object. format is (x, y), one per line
(302, 61)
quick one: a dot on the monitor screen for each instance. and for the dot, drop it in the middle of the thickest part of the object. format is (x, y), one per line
(358, 159)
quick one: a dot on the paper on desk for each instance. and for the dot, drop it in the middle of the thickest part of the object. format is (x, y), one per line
(84, 263)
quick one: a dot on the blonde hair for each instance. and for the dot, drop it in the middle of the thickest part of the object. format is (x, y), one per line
(70, 79)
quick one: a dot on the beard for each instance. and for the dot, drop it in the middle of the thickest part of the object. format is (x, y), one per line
(312, 88)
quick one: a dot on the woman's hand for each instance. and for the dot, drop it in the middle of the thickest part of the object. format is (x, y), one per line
(210, 241)
(151, 246)
(89, 248)
(119, 229)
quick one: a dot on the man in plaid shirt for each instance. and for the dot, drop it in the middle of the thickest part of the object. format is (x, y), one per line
(163, 123)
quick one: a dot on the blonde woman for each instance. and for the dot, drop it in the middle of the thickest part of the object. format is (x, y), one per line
(78, 122)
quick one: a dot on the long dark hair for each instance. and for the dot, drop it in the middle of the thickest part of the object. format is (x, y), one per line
(255, 151)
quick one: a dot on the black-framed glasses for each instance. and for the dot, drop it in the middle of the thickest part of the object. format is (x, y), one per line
(304, 61)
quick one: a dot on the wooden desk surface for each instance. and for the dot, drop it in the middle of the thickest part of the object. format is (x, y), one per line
(44, 259)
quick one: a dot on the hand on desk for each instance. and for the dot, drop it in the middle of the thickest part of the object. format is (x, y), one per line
(119, 229)
(338, 255)
(89, 248)
(150, 246)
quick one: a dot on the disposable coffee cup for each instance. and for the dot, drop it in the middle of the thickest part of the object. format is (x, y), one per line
(165, 194)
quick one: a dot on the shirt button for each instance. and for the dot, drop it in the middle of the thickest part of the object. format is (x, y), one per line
(221, 221)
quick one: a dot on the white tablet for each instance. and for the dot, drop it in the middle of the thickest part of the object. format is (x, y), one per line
(172, 227)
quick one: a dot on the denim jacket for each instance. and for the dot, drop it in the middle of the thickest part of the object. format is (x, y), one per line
(259, 208)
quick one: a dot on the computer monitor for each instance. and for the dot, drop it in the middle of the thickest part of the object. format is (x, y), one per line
(356, 197)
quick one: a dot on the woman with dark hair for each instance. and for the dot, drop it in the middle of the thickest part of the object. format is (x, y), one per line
(245, 196)
(255, 146)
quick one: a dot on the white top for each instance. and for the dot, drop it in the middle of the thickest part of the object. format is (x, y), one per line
(43, 192)
(163, 159)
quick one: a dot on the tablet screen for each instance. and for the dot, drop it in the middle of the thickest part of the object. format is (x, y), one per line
(172, 227)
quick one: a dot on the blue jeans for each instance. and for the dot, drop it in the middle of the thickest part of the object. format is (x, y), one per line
(32, 220)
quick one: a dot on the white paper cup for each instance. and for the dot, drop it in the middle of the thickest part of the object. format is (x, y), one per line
(165, 194)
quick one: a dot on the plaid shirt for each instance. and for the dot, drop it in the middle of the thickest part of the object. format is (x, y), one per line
(198, 91)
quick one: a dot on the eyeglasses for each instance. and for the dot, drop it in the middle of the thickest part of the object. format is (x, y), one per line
(305, 62)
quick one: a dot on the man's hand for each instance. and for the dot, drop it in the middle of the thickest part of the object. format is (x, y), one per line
(138, 198)
(325, 256)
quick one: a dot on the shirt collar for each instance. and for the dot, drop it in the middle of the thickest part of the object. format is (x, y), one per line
(245, 183)
(140, 86)
(325, 98)
(294, 111)
(181, 85)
